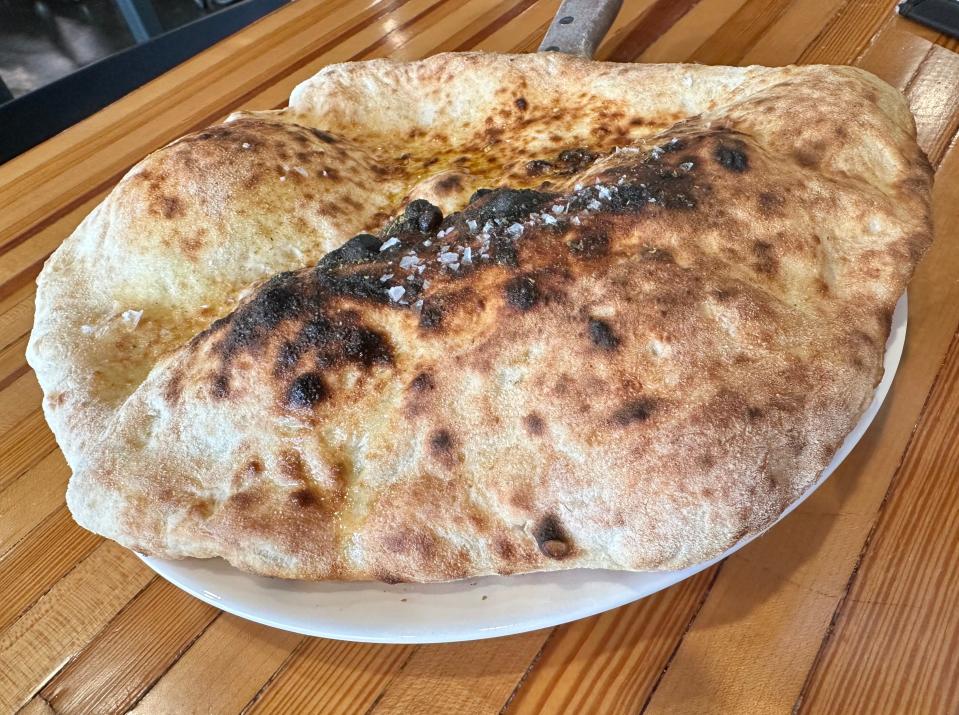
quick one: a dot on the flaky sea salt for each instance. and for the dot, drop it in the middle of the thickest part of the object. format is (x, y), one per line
(131, 318)
(389, 243)
(396, 292)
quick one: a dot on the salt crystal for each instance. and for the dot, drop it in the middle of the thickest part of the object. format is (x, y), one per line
(386, 277)
(131, 318)
(603, 192)
(686, 165)
(575, 220)
(467, 255)
(426, 284)
(448, 257)
(515, 229)
(472, 225)
(427, 243)
(300, 170)
(396, 292)
(549, 219)
(389, 243)
(282, 178)
(594, 205)
(407, 262)
(454, 266)
(558, 208)
(87, 329)
(578, 187)
(246, 145)
(418, 304)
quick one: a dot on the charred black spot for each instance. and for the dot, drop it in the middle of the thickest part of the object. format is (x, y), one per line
(359, 249)
(534, 424)
(537, 167)
(552, 538)
(355, 285)
(277, 300)
(287, 357)
(673, 145)
(324, 137)
(441, 442)
(431, 315)
(306, 391)
(342, 339)
(521, 292)
(423, 383)
(479, 193)
(732, 158)
(521, 104)
(220, 387)
(602, 334)
(508, 204)
(635, 411)
(590, 244)
(504, 251)
(575, 160)
(421, 215)
(754, 413)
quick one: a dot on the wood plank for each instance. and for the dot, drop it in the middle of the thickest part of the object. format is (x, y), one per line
(779, 593)
(23, 445)
(48, 553)
(222, 670)
(611, 662)
(72, 612)
(11, 300)
(690, 31)
(18, 399)
(331, 677)
(898, 629)
(470, 678)
(849, 34)
(29, 499)
(731, 40)
(934, 98)
(651, 21)
(36, 706)
(13, 361)
(137, 647)
(785, 39)
(17, 320)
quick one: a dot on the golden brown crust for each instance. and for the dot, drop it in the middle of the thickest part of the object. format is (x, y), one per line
(641, 346)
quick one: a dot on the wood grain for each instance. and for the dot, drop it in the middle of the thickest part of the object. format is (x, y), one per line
(128, 656)
(235, 657)
(44, 638)
(898, 628)
(331, 677)
(84, 626)
(610, 663)
(472, 677)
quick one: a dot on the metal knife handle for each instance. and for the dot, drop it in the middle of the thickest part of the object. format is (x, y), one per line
(579, 26)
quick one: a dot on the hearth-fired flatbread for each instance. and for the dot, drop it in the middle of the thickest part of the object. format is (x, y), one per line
(578, 315)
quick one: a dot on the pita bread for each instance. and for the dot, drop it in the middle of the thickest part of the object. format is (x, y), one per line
(641, 346)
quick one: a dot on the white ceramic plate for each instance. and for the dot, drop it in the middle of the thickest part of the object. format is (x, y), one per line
(463, 610)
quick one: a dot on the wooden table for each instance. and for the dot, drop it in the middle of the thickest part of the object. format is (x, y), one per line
(848, 606)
